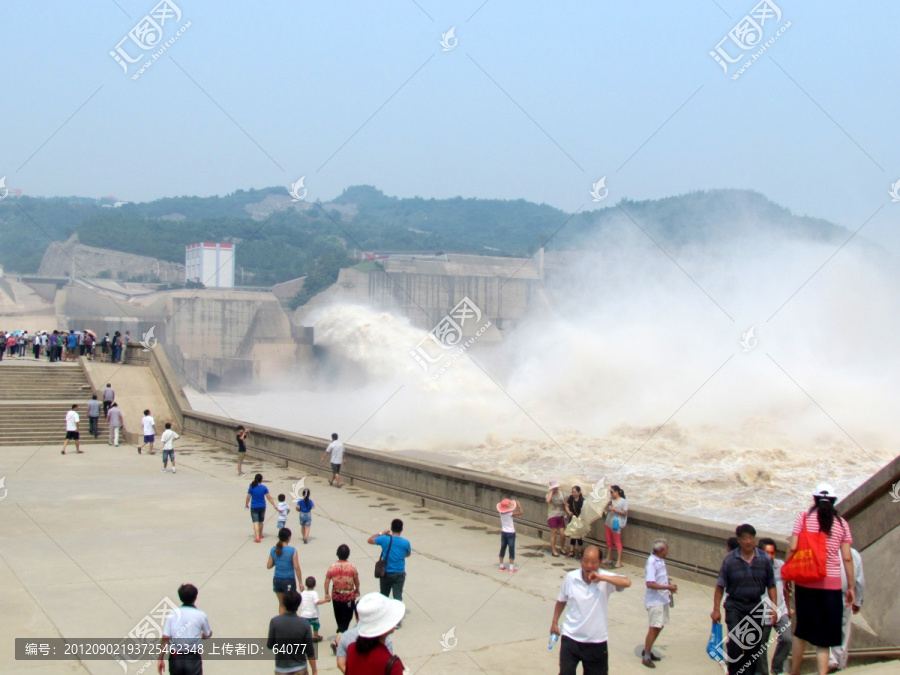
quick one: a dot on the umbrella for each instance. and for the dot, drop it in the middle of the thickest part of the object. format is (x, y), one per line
(88, 330)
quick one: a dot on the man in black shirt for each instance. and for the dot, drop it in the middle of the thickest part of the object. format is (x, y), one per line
(291, 638)
(747, 576)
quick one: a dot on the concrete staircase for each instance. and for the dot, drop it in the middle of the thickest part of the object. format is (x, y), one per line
(34, 399)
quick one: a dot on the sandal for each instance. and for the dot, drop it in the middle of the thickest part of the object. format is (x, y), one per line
(334, 648)
(554, 554)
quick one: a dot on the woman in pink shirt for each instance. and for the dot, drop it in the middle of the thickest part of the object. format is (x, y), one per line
(820, 604)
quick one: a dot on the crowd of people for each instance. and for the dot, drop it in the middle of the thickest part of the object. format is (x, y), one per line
(753, 593)
(60, 345)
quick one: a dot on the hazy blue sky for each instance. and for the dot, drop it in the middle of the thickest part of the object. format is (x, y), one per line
(535, 101)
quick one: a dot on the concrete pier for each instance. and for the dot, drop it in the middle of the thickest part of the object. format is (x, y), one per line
(91, 543)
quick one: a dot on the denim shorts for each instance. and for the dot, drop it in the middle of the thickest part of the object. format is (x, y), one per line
(283, 585)
(258, 515)
(306, 519)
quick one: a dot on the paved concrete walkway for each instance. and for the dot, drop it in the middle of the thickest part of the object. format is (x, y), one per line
(91, 543)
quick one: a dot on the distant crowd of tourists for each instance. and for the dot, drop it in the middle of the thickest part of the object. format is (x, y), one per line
(59, 345)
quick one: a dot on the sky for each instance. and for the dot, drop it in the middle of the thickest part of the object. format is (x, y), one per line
(524, 100)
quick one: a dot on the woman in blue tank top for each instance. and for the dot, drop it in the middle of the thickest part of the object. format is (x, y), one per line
(287, 567)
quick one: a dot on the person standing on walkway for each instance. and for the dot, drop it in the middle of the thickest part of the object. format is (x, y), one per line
(305, 505)
(287, 567)
(93, 408)
(168, 440)
(820, 604)
(585, 592)
(109, 396)
(343, 581)
(104, 347)
(36, 346)
(242, 436)
(182, 632)
(746, 575)
(72, 420)
(257, 494)
(616, 519)
(378, 617)
(126, 340)
(71, 345)
(394, 550)
(116, 353)
(838, 657)
(148, 425)
(783, 624)
(508, 509)
(574, 504)
(657, 598)
(336, 450)
(116, 422)
(286, 632)
(556, 516)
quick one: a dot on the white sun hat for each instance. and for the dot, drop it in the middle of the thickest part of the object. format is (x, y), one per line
(378, 614)
(825, 491)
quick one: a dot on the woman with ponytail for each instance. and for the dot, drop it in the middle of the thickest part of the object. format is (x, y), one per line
(819, 605)
(257, 494)
(287, 567)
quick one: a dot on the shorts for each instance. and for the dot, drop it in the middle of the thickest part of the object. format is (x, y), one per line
(613, 539)
(659, 615)
(149, 439)
(306, 519)
(335, 468)
(281, 524)
(258, 515)
(283, 585)
(71, 435)
(557, 522)
(168, 456)
(314, 623)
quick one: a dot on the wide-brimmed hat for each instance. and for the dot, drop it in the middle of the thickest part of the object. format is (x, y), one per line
(378, 614)
(553, 483)
(825, 491)
(506, 506)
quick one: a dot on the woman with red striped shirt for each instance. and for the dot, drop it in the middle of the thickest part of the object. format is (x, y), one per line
(820, 604)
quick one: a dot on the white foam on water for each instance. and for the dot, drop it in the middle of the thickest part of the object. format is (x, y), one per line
(633, 373)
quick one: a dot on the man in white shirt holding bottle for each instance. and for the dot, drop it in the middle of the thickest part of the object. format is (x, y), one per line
(584, 634)
(657, 598)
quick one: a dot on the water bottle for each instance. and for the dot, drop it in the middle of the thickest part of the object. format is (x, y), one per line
(554, 638)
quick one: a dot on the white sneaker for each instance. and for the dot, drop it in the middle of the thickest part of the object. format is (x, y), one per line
(173, 469)
(163, 470)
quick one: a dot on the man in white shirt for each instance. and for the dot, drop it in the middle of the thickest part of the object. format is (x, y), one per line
(72, 420)
(183, 630)
(838, 656)
(336, 450)
(149, 428)
(657, 598)
(586, 592)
